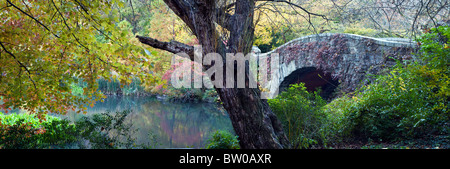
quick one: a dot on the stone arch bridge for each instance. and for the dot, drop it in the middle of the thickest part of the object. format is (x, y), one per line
(332, 60)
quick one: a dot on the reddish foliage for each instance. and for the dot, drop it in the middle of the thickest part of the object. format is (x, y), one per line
(180, 66)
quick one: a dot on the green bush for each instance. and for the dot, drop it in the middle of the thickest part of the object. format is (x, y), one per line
(301, 114)
(106, 131)
(20, 131)
(223, 140)
(411, 100)
(337, 127)
(58, 132)
(435, 48)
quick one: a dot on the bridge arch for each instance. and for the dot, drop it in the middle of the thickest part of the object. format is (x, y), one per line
(313, 79)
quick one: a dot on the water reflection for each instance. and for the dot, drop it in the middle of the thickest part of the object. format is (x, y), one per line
(176, 125)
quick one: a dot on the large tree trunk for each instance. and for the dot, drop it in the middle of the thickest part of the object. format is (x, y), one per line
(253, 121)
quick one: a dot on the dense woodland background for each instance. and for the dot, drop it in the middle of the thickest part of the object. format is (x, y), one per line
(57, 56)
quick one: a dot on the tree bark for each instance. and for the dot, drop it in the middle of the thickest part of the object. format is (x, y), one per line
(255, 124)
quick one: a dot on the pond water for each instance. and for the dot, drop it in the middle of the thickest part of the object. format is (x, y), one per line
(175, 125)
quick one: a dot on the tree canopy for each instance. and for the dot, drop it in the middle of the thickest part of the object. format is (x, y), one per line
(47, 45)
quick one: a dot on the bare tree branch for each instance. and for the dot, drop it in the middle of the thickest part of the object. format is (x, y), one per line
(297, 6)
(393, 17)
(172, 46)
(39, 22)
(20, 64)
(68, 27)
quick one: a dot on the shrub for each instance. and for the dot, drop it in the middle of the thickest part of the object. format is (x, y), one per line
(301, 114)
(106, 131)
(223, 140)
(410, 101)
(361, 31)
(435, 48)
(336, 129)
(19, 131)
(58, 133)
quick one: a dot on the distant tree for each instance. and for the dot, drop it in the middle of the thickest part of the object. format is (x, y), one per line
(403, 18)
